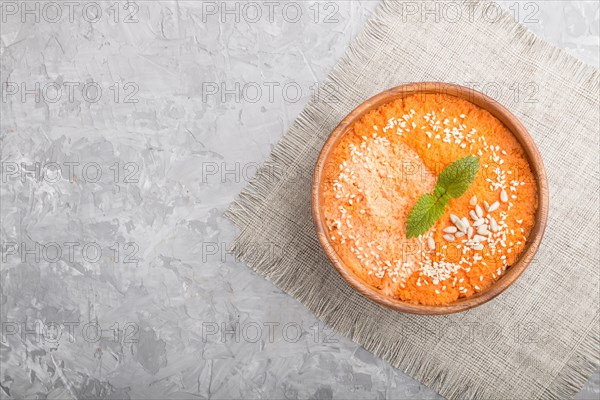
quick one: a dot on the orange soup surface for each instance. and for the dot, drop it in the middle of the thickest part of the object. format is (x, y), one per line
(389, 159)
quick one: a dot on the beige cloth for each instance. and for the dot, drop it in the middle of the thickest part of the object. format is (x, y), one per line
(540, 338)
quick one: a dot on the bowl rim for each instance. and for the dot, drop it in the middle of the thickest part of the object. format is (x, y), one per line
(515, 127)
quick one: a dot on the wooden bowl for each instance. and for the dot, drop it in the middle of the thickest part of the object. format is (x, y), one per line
(498, 111)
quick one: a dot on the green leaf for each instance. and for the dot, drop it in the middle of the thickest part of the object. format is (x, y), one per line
(424, 214)
(439, 191)
(444, 200)
(456, 178)
(452, 182)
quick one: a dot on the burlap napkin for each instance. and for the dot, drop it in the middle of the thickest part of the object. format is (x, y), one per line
(540, 338)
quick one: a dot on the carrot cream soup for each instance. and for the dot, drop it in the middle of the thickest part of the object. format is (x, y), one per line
(390, 159)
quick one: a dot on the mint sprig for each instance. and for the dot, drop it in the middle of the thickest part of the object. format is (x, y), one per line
(452, 182)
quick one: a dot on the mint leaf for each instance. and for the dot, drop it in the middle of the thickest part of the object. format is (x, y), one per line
(452, 182)
(444, 200)
(439, 191)
(456, 178)
(424, 214)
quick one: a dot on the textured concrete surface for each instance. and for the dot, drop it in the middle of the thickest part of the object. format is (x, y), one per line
(126, 130)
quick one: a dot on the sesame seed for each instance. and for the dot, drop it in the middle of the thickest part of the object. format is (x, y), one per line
(483, 231)
(478, 211)
(494, 207)
(449, 237)
(459, 224)
(431, 243)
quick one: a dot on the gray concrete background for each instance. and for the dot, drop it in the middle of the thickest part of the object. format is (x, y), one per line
(115, 281)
